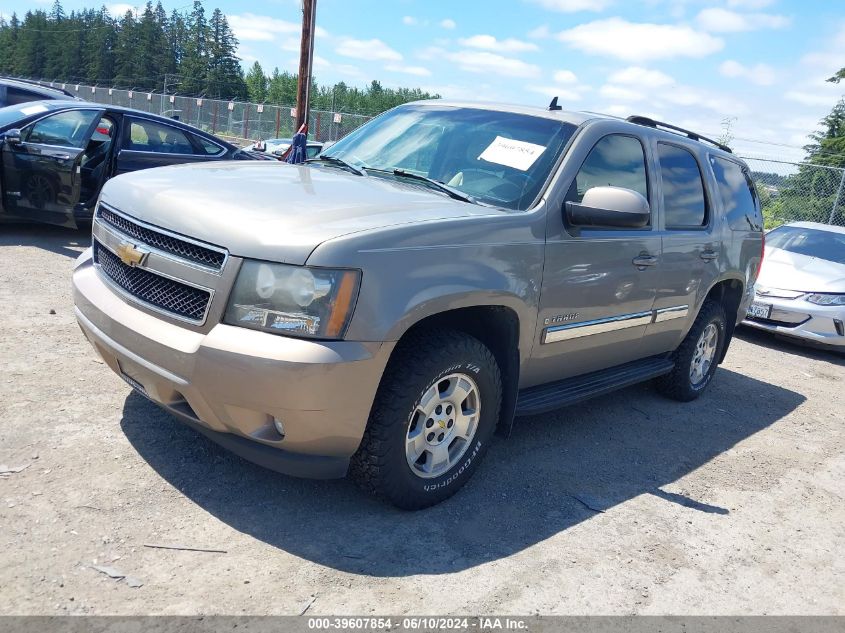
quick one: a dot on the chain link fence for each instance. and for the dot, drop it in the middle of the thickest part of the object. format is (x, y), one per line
(792, 192)
(239, 122)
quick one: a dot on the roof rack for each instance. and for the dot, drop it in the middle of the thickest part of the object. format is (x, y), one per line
(644, 120)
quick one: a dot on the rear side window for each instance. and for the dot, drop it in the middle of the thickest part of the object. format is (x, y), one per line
(148, 136)
(738, 196)
(684, 205)
(616, 161)
(208, 148)
(14, 96)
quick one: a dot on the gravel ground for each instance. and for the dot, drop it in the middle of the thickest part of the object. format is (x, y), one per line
(732, 504)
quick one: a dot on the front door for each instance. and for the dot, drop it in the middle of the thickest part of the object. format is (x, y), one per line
(598, 284)
(41, 173)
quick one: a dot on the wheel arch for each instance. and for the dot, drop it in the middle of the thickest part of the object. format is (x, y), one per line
(727, 292)
(498, 328)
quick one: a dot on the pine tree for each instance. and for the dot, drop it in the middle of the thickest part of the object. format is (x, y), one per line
(126, 70)
(256, 84)
(225, 76)
(194, 67)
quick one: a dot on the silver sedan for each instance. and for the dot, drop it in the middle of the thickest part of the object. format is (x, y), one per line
(801, 288)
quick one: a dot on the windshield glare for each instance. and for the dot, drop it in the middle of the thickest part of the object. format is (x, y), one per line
(498, 158)
(811, 242)
(10, 114)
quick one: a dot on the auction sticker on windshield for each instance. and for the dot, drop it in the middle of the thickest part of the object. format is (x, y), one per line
(512, 153)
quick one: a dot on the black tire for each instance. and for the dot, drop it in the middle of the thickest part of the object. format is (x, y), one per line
(678, 384)
(380, 465)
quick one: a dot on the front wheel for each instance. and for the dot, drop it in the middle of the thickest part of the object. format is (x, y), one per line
(433, 417)
(697, 356)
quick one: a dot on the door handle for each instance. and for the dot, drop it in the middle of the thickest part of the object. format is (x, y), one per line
(709, 255)
(642, 261)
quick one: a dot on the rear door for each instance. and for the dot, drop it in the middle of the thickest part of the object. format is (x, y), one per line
(41, 175)
(692, 236)
(599, 284)
(146, 143)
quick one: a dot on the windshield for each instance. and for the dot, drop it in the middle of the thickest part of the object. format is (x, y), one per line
(10, 114)
(811, 242)
(498, 158)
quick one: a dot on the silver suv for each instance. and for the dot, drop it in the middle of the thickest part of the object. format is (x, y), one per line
(383, 310)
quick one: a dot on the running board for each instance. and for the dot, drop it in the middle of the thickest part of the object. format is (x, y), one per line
(554, 395)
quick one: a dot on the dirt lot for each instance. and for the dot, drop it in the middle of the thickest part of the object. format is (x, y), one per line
(729, 505)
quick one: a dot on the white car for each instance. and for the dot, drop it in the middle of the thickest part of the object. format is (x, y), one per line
(801, 288)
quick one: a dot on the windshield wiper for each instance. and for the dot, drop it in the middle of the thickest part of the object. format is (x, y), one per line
(334, 160)
(450, 191)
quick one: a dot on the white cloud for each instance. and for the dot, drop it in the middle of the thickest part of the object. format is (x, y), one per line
(563, 94)
(431, 52)
(486, 62)
(639, 41)
(540, 33)
(621, 93)
(490, 43)
(760, 74)
(749, 4)
(565, 77)
(409, 20)
(721, 20)
(571, 6)
(346, 70)
(372, 50)
(448, 24)
(638, 76)
(419, 71)
(118, 10)
(812, 98)
(251, 27)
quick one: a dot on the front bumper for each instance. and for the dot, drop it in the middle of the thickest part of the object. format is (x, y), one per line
(230, 382)
(800, 319)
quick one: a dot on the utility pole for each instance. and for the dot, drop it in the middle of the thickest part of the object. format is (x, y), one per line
(306, 55)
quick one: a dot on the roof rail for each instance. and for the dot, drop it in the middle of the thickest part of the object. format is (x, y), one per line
(644, 120)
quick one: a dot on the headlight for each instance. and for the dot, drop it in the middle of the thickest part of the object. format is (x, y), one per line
(293, 300)
(827, 299)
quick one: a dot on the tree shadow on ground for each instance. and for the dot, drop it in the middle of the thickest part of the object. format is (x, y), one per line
(56, 239)
(555, 471)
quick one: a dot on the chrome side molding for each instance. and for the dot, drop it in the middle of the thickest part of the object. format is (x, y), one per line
(570, 331)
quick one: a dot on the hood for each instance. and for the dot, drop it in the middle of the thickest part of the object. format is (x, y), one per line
(275, 211)
(791, 271)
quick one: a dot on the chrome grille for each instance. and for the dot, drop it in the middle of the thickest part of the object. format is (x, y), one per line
(162, 241)
(160, 292)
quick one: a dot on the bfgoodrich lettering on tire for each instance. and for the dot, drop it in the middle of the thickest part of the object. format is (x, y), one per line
(433, 417)
(697, 356)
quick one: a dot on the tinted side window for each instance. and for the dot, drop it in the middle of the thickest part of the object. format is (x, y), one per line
(738, 196)
(208, 148)
(148, 136)
(616, 161)
(66, 129)
(683, 189)
(14, 96)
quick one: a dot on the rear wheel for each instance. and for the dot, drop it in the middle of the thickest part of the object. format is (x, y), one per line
(432, 420)
(697, 356)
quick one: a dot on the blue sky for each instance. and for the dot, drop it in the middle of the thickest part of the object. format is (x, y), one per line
(691, 62)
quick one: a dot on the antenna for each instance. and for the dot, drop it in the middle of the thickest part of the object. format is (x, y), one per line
(554, 106)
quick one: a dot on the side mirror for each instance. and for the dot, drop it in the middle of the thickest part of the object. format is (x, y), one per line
(610, 207)
(12, 137)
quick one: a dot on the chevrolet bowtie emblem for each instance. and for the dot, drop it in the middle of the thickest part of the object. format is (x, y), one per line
(130, 254)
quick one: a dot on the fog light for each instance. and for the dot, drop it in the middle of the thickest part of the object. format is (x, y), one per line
(840, 327)
(280, 428)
